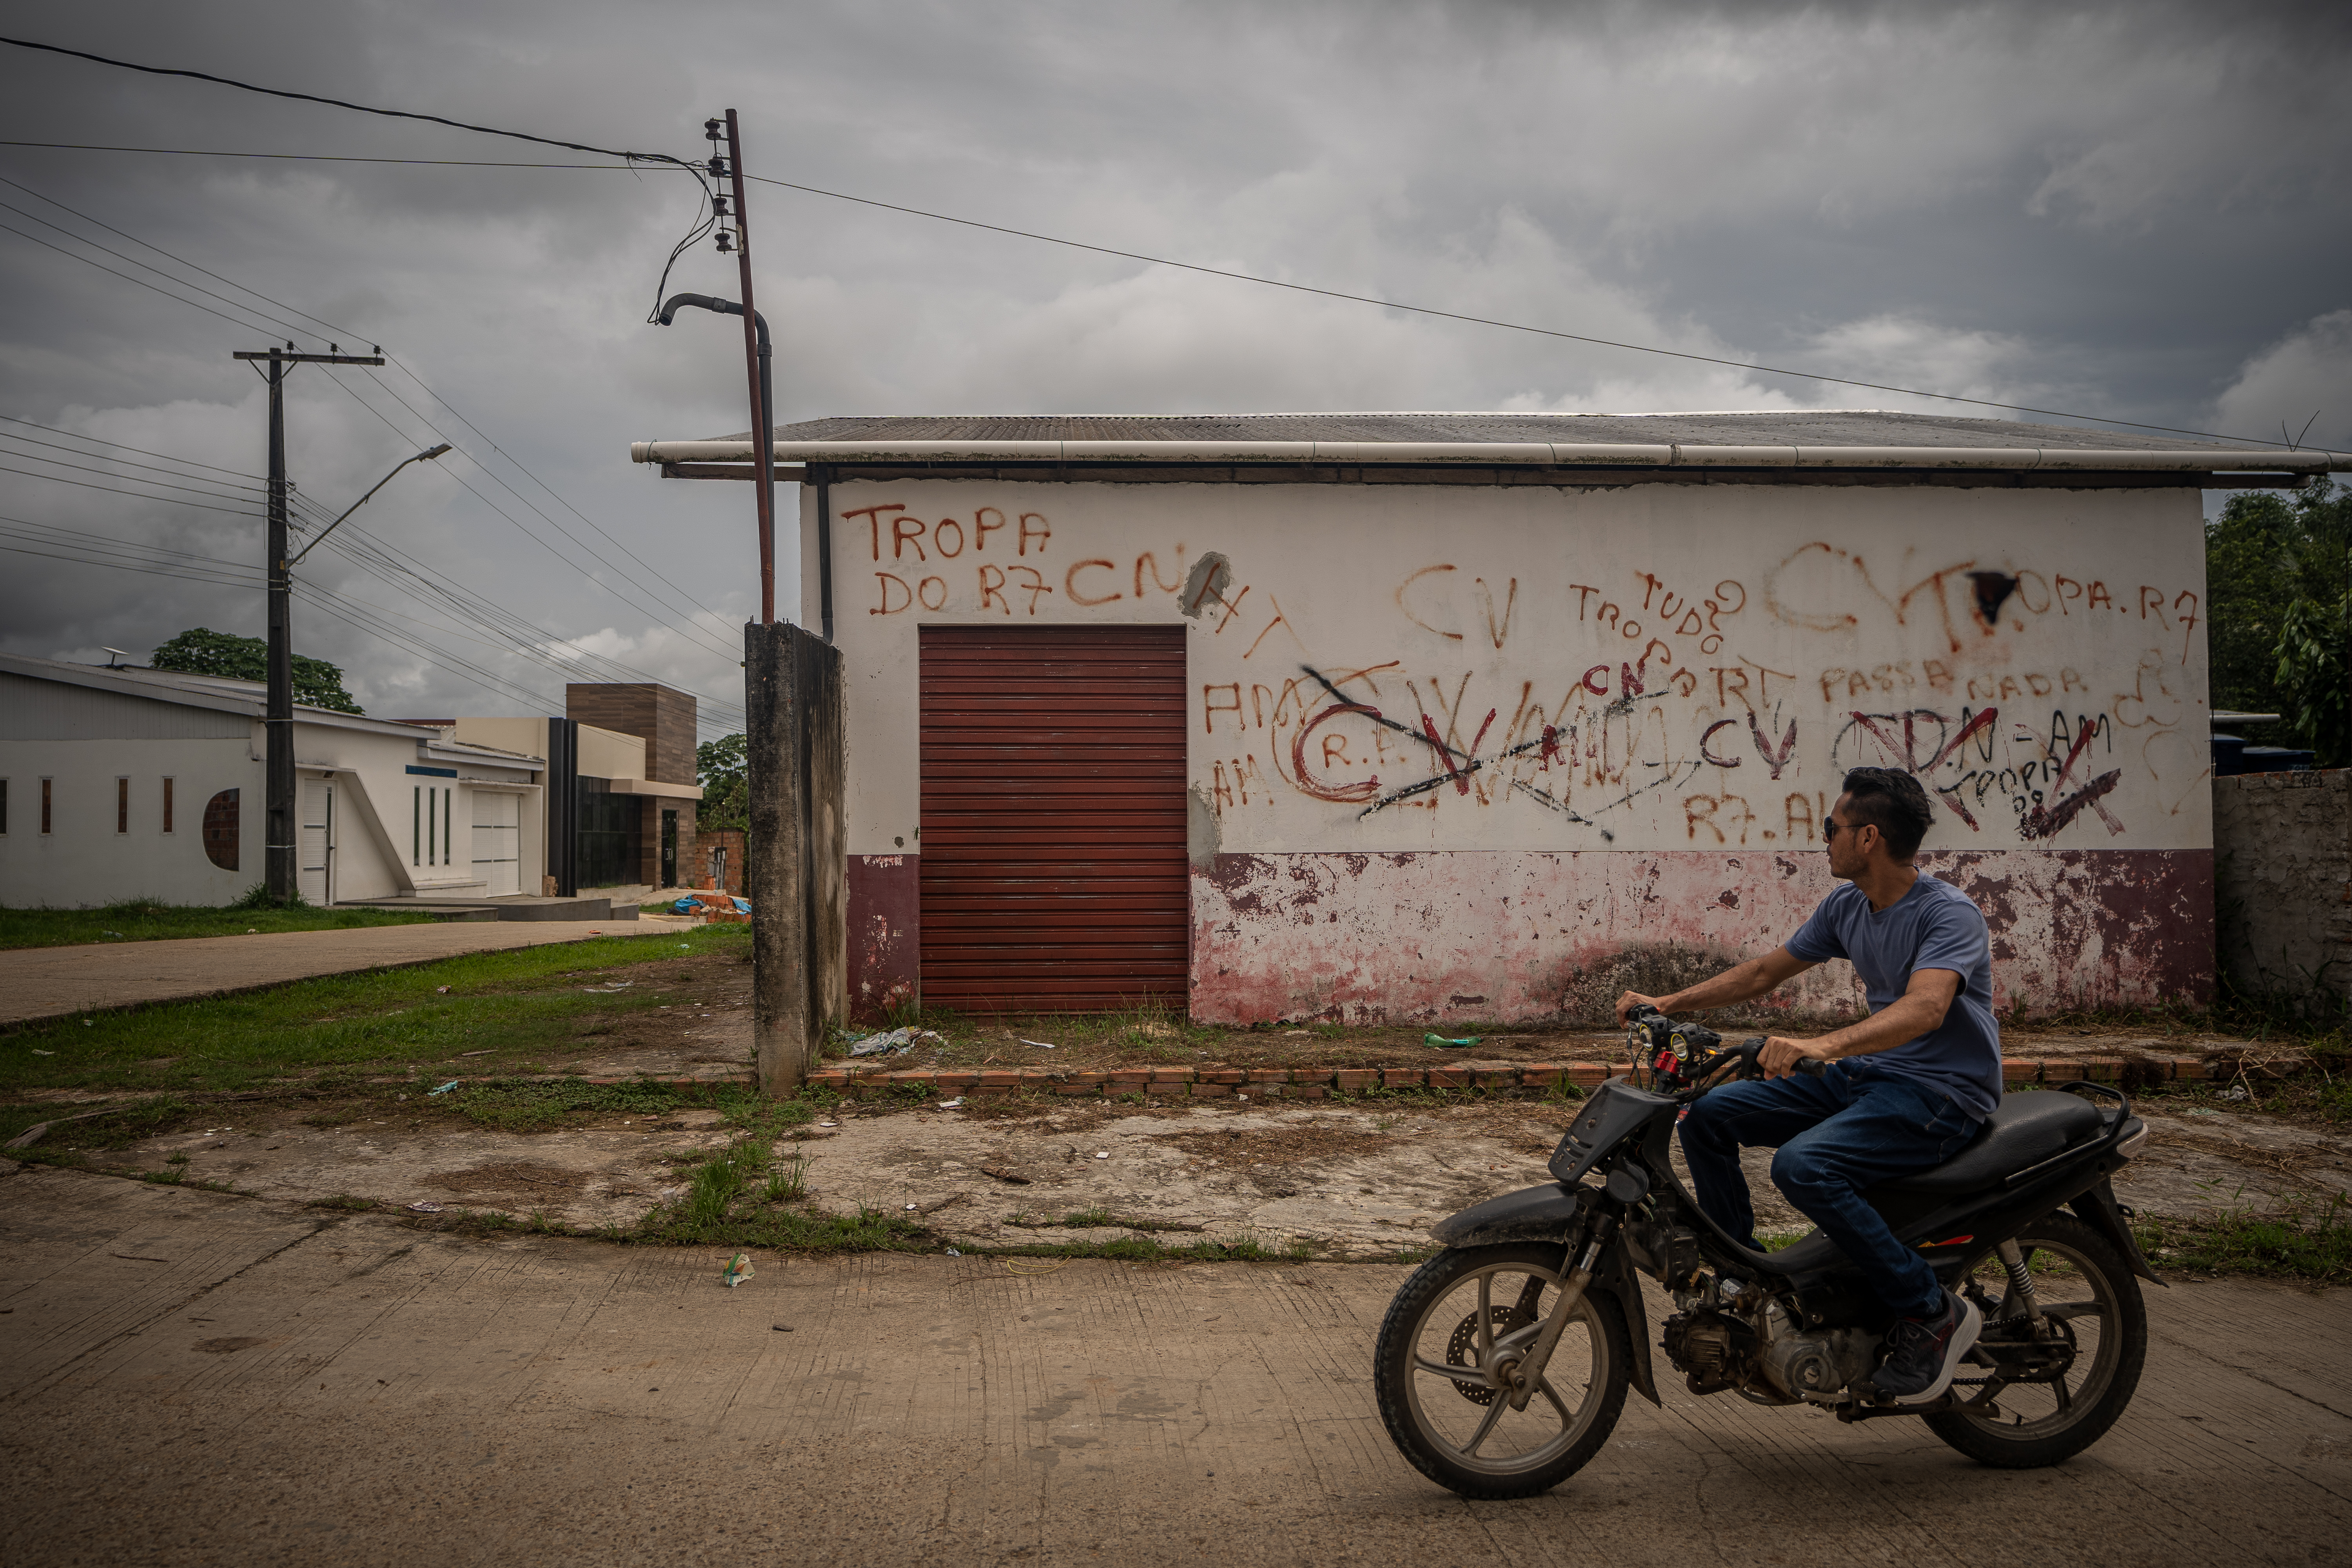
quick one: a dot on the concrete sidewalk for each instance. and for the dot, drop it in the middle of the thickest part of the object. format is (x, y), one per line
(193, 1378)
(55, 982)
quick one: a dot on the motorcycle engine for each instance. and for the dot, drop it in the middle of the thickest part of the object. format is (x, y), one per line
(1711, 1349)
(1818, 1366)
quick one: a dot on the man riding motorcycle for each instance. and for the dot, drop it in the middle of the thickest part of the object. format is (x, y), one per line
(1905, 1089)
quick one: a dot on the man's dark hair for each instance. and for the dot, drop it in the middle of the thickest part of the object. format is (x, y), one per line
(1890, 801)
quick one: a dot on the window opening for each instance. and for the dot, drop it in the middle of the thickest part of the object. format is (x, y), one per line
(167, 803)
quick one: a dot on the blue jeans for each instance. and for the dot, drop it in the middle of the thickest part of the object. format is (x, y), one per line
(1837, 1134)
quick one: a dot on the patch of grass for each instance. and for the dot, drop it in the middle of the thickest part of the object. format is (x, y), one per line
(789, 1184)
(518, 1005)
(2307, 1241)
(1146, 1249)
(170, 1178)
(151, 920)
(1099, 1218)
(343, 1203)
(543, 1105)
(122, 1125)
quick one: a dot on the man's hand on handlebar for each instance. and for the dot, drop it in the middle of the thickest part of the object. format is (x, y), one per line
(1631, 1000)
(1781, 1054)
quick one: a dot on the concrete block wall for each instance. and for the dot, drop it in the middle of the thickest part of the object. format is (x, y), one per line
(2282, 886)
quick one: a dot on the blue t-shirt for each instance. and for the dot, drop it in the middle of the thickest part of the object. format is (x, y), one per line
(1933, 926)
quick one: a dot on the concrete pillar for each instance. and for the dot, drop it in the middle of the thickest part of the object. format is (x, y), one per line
(796, 875)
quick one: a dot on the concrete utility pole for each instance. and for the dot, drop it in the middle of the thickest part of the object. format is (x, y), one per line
(277, 774)
(764, 418)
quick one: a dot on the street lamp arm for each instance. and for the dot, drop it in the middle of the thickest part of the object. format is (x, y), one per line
(711, 303)
(426, 456)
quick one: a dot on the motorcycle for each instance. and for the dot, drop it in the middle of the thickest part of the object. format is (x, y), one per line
(1503, 1364)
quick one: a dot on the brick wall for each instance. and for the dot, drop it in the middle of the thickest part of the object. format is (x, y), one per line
(697, 867)
(664, 717)
(2283, 885)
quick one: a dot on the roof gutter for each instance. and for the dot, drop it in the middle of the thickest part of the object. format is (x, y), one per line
(1549, 454)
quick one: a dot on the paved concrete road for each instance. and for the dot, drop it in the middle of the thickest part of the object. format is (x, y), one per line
(52, 982)
(189, 1378)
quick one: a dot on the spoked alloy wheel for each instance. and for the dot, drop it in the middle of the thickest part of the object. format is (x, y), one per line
(2082, 1371)
(1447, 1358)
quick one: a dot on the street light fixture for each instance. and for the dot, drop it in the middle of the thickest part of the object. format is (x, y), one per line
(426, 456)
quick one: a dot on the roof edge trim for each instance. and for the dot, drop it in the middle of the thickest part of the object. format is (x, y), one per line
(1549, 454)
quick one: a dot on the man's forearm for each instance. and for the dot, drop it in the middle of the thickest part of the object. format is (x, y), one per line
(1741, 982)
(1903, 1020)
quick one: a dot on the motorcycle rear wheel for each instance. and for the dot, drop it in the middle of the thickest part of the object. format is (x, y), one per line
(2085, 1286)
(1451, 1419)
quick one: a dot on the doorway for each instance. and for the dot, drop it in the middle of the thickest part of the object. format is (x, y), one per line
(1053, 868)
(315, 868)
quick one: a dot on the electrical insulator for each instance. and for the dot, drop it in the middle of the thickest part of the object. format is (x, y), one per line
(719, 168)
(713, 129)
(718, 206)
(726, 240)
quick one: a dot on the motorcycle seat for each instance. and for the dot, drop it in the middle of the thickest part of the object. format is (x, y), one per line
(2023, 1130)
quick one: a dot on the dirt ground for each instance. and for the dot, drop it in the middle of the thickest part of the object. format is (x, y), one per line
(705, 1033)
(1346, 1181)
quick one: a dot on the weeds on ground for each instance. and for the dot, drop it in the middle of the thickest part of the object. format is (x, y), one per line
(516, 1005)
(1146, 1249)
(2307, 1241)
(542, 1105)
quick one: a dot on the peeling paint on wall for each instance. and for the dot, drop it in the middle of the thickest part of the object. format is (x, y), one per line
(1454, 935)
(885, 931)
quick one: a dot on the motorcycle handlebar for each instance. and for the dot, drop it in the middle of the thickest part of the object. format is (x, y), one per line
(1753, 1047)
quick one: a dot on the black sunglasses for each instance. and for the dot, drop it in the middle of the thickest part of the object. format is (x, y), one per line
(1832, 827)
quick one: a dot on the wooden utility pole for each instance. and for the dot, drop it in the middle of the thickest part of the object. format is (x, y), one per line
(279, 873)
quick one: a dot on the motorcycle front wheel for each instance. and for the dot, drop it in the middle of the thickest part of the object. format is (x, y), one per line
(1444, 1357)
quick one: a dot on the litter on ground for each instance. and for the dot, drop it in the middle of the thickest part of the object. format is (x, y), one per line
(883, 1044)
(1441, 1040)
(445, 1087)
(738, 1269)
(1041, 1045)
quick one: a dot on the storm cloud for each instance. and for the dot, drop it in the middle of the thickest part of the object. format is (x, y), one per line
(2134, 213)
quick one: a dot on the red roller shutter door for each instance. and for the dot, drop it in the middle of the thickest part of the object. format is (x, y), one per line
(1054, 874)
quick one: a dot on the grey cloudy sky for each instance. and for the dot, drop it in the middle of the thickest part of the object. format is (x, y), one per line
(2135, 211)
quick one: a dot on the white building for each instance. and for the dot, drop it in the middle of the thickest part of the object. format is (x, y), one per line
(1450, 717)
(124, 782)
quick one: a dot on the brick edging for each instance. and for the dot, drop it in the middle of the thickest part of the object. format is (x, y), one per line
(1316, 1083)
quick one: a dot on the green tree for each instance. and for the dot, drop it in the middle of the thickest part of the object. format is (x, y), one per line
(722, 768)
(2278, 574)
(201, 651)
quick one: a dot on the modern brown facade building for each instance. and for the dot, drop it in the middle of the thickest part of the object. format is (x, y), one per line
(644, 834)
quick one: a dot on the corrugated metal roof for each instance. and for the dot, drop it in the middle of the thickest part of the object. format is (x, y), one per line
(1816, 427)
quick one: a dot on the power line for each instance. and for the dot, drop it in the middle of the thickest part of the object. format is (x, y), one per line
(398, 570)
(234, 304)
(691, 632)
(85, 484)
(1240, 276)
(182, 299)
(217, 493)
(510, 518)
(327, 157)
(687, 609)
(103, 441)
(340, 103)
